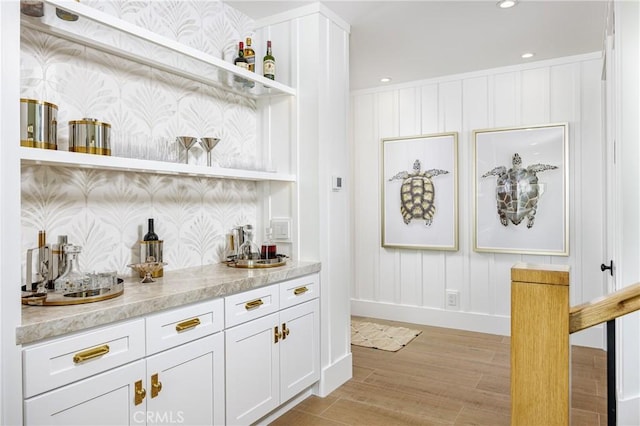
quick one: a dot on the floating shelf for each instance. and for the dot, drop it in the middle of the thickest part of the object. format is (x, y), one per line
(101, 162)
(195, 65)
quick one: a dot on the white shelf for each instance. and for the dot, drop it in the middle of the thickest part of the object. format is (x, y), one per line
(216, 72)
(101, 162)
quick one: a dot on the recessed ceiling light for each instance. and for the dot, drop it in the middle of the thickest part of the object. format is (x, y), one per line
(385, 79)
(505, 4)
(527, 55)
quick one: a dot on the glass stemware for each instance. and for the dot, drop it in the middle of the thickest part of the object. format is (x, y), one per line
(208, 144)
(187, 142)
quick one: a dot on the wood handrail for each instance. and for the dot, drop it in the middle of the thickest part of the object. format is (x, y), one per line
(601, 310)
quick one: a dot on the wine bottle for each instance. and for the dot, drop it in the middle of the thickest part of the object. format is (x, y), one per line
(240, 60)
(269, 63)
(250, 56)
(150, 235)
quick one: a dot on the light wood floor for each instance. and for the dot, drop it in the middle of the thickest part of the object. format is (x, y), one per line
(444, 376)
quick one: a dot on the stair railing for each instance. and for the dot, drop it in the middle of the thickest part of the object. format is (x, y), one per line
(541, 322)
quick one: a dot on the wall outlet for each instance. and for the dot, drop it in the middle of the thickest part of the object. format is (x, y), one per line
(453, 297)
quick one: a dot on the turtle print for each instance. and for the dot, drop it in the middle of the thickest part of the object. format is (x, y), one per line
(517, 192)
(417, 193)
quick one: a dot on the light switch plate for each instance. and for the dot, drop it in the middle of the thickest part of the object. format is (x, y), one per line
(281, 228)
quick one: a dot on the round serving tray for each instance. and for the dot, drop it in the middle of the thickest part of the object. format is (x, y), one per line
(79, 297)
(257, 263)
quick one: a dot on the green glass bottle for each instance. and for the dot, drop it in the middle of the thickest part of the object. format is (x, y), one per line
(269, 63)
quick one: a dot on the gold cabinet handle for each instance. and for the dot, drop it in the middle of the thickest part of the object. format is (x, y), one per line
(186, 325)
(90, 353)
(139, 393)
(277, 335)
(156, 385)
(253, 304)
(285, 331)
(300, 290)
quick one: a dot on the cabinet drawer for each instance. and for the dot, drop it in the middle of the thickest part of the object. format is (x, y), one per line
(67, 359)
(177, 326)
(299, 290)
(248, 305)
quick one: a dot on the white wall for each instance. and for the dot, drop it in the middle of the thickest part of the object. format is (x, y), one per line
(627, 134)
(318, 67)
(410, 285)
(10, 372)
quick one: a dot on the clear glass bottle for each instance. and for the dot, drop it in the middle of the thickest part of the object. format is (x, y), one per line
(268, 250)
(249, 250)
(72, 279)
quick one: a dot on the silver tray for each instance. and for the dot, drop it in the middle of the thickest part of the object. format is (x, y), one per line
(257, 263)
(76, 298)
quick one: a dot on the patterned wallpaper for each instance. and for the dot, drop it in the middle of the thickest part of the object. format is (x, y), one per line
(106, 212)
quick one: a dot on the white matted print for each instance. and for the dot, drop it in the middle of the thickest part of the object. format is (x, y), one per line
(420, 192)
(520, 190)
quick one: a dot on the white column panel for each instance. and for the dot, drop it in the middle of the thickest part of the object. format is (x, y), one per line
(535, 96)
(429, 108)
(389, 266)
(475, 113)
(366, 205)
(10, 361)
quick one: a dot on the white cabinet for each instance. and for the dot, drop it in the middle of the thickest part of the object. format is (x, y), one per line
(271, 358)
(104, 399)
(181, 379)
(185, 385)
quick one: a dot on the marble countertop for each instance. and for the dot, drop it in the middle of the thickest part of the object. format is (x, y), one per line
(176, 288)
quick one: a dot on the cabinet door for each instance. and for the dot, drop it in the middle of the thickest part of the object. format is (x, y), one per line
(300, 350)
(186, 384)
(252, 362)
(105, 399)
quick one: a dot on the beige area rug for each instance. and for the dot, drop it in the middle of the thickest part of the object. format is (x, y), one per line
(378, 336)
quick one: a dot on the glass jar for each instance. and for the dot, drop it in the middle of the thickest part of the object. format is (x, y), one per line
(72, 279)
(249, 250)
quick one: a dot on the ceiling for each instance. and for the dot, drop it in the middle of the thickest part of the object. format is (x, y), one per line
(416, 40)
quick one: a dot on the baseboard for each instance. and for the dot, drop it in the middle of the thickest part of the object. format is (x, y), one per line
(629, 412)
(482, 323)
(470, 321)
(272, 416)
(335, 375)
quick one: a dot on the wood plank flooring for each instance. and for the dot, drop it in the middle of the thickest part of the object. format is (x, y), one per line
(443, 377)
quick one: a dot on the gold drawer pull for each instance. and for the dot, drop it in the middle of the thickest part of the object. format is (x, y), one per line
(300, 290)
(91, 353)
(156, 385)
(277, 335)
(253, 304)
(186, 325)
(139, 393)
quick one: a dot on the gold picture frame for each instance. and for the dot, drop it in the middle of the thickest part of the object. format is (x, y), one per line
(419, 192)
(520, 190)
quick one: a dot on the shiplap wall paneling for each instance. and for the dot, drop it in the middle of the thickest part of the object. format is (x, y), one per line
(393, 280)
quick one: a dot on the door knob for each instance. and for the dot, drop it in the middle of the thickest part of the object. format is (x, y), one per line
(604, 267)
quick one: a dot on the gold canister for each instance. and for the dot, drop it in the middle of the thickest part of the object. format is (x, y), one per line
(151, 251)
(38, 124)
(90, 136)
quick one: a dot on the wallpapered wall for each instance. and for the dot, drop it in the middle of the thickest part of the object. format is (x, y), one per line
(106, 212)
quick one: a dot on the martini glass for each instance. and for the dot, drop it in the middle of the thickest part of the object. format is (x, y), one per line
(208, 144)
(187, 142)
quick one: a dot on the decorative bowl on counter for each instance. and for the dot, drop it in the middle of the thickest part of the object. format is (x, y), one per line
(147, 269)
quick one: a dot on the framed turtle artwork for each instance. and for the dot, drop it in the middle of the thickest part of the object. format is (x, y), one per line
(520, 177)
(419, 181)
